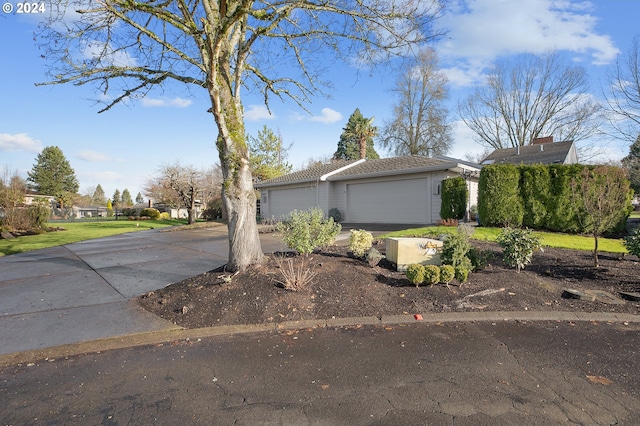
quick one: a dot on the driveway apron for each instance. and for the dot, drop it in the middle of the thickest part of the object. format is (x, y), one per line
(83, 291)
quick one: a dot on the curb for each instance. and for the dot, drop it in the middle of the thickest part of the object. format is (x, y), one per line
(186, 335)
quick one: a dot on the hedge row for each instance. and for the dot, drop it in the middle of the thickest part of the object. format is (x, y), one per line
(536, 196)
(454, 198)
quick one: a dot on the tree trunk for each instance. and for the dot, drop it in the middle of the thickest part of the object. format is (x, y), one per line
(595, 252)
(363, 147)
(238, 196)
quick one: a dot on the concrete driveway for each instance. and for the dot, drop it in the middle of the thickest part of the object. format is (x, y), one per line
(82, 291)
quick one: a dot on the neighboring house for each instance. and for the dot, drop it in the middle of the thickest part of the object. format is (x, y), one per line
(29, 198)
(86, 212)
(386, 190)
(541, 151)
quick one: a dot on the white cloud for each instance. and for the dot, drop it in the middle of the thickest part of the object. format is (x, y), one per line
(175, 102)
(327, 116)
(19, 142)
(107, 55)
(258, 112)
(482, 30)
(92, 156)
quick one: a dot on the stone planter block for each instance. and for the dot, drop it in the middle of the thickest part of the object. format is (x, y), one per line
(405, 251)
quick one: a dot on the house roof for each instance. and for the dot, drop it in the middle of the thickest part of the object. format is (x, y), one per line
(344, 170)
(545, 153)
(311, 174)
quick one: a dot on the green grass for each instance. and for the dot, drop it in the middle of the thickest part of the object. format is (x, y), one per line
(79, 231)
(635, 214)
(549, 239)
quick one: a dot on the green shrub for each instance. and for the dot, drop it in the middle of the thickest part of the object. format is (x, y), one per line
(360, 241)
(151, 213)
(518, 246)
(499, 199)
(454, 198)
(455, 252)
(38, 215)
(335, 214)
(431, 274)
(415, 273)
(164, 216)
(479, 258)
(308, 230)
(447, 274)
(632, 242)
(213, 210)
(463, 270)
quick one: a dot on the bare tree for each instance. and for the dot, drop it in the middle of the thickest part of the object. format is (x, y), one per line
(220, 46)
(530, 97)
(623, 97)
(181, 186)
(419, 125)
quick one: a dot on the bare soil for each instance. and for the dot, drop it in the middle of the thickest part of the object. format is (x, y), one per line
(348, 287)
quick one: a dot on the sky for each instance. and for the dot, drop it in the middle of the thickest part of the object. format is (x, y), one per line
(125, 146)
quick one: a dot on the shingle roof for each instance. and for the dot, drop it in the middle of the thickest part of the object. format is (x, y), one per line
(308, 175)
(392, 165)
(548, 153)
(355, 169)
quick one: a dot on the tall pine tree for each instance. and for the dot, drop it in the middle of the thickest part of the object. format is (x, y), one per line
(356, 140)
(52, 175)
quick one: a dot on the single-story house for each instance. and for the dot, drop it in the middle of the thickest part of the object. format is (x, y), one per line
(541, 151)
(387, 190)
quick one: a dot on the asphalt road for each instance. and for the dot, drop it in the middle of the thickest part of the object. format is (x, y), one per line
(504, 373)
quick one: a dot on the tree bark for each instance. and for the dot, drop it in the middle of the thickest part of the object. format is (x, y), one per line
(238, 196)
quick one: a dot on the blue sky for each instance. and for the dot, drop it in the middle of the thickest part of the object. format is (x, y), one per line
(124, 147)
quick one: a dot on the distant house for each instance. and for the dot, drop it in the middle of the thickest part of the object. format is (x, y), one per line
(388, 190)
(541, 151)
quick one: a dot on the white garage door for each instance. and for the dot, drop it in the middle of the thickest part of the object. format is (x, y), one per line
(400, 201)
(284, 201)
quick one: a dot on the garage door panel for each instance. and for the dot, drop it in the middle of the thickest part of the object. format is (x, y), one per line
(401, 201)
(283, 201)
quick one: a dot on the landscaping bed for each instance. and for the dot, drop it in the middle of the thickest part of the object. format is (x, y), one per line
(347, 287)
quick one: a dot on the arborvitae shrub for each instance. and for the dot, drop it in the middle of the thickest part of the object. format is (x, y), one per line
(454, 198)
(431, 274)
(415, 274)
(499, 201)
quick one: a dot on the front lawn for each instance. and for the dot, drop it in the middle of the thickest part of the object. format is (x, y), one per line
(549, 239)
(79, 231)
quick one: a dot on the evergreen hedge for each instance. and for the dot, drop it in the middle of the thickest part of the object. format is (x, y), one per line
(536, 196)
(454, 198)
(499, 200)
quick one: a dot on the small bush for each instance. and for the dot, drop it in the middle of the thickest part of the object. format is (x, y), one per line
(447, 274)
(479, 258)
(308, 230)
(518, 246)
(295, 276)
(151, 213)
(360, 241)
(213, 210)
(455, 252)
(431, 274)
(38, 215)
(164, 216)
(415, 274)
(632, 242)
(335, 214)
(463, 270)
